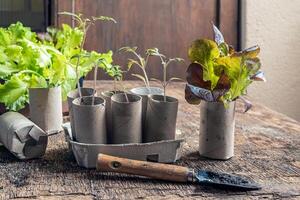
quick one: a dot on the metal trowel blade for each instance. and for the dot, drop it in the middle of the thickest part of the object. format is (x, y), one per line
(225, 181)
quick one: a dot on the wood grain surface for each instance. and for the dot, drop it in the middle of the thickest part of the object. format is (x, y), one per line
(267, 150)
(170, 25)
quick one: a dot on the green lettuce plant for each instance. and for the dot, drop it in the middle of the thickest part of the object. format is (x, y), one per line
(219, 71)
(27, 62)
(165, 63)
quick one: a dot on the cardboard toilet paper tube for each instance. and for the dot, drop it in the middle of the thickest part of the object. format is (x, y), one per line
(144, 92)
(89, 120)
(126, 118)
(107, 97)
(73, 95)
(216, 138)
(21, 136)
(46, 108)
(161, 118)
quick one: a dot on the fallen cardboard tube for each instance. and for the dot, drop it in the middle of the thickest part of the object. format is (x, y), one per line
(144, 92)
(21, 136)
(73, 95)
(126, 118)
(161, 118)
(46, 108)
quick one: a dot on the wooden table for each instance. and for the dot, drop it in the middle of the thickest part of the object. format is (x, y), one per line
(267, 149)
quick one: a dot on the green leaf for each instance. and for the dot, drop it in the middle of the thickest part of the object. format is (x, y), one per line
(5, 37)
(77, 17)
(224, 49)
(203, 51)
(7, 69)
(132, 62)
(12, 93)
(251, 52)
(104, 18)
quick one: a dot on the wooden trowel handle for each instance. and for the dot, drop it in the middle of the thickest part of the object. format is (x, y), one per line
(153, 170)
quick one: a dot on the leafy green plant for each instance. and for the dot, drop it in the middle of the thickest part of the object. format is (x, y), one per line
(139, 62)
(165, 63)
(218, 68)
(28, 62)
(84, 24)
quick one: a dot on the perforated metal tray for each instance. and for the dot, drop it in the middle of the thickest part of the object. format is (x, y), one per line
(166, 151)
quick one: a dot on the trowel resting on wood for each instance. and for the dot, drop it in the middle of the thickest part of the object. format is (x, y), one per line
(174, 173)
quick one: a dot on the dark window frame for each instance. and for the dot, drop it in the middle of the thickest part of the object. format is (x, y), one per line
(39, 27)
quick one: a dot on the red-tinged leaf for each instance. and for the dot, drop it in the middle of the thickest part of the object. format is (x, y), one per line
(190, 97)
(195, 76)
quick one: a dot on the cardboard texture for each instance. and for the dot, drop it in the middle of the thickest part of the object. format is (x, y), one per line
(144, 92)
(73, 95)
(216, 138)
(167, 151)
(21, 136)
(126, 118)
(161, 118)
(46, 108)
(107, 97)
(89, 120)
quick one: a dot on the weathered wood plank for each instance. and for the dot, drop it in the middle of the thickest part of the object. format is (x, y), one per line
(267, 150)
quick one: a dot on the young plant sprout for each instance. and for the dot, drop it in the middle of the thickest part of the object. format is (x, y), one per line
(116, 73)
(84, 24)
(165, 63)
(140, 62)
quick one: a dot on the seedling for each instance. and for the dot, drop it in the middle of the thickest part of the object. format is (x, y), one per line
(116, 73)
(165, 63)
(140, 62)
(84, 24)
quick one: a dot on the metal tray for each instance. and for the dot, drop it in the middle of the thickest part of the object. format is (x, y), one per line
(166, 151)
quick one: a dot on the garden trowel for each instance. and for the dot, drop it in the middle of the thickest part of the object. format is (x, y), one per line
(174, 173)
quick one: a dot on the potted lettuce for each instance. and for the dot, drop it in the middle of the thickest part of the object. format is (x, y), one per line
(217, 77)
(40, 72)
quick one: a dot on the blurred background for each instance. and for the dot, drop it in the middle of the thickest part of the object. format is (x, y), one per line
(171, 26)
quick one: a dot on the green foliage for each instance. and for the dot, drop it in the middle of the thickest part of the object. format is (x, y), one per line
(219, 67)
(165, 63)
(139, 62)
(85, 61)
(27, 62)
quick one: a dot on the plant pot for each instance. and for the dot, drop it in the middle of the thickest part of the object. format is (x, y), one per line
(161, 118)
(73, 95)
(144, 92)
(21, 136)
(216, 140)
(126, 118)
(46, 108)
(107, 96)
(89, 120)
